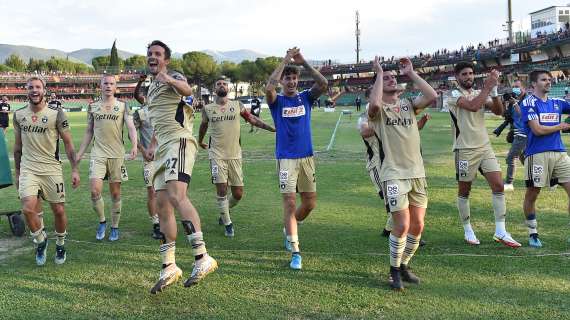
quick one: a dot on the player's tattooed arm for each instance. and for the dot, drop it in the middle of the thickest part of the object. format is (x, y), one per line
(273, 82)
(148, 155)
(247, 116)
(375, 99)
(139, 96)
(87, 137)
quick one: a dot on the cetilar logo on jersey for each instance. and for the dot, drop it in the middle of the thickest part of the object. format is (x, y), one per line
(549, 117)
(293, 112)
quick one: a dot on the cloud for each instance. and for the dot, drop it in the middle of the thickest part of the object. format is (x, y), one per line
(323, 29)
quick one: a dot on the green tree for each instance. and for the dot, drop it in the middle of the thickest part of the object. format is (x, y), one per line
(16, 63)
(36, 65)
(114, 61)
(232, 71)
(199, 67)
(136, 62)
(176, 64)
(100, 62)
(5, 68)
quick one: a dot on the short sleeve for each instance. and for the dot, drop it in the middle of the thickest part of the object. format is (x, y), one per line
(275, 103)
(453, 98)
(528, 113)
(177, 75)
(565, 106)
(307, 94)
(62, 123)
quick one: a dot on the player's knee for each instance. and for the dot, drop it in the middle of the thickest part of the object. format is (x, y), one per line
(237, 194)
(176, 199)
(28, 210)
(310, 204)
(222, 192)
(58, 211)
(95, 195)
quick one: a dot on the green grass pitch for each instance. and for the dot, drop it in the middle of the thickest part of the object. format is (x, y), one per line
(345, 260)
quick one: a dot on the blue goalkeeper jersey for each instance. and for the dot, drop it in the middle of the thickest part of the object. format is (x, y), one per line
(548, 113)
(292, 118)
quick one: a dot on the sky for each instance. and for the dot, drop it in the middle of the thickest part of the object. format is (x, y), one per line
(322, 29)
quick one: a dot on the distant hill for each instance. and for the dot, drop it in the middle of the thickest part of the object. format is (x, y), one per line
(236, 56)
(86, 55)
(27, 52)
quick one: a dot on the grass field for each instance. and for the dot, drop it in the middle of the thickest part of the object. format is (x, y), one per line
(345, 259)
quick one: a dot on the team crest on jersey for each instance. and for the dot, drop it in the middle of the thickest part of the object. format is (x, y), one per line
(293, 112)
(116, 108)
(549, 117)
(405, 108)
(232, 109)
(44, 119)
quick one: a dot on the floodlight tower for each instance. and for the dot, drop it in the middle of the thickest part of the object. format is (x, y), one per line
(357, 33)
(510, 21)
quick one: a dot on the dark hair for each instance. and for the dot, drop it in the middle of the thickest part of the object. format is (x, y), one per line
(290, 69)
(533, 76)
(223, 78)
(160, 44)
(462, 65)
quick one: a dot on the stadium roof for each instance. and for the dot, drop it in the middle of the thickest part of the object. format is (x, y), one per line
(548, 8)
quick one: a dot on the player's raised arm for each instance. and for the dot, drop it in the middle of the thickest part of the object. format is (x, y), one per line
(428, 93)
(375, 99)
(247, 116)
(496, 105)
(88, 136)
(178, 82)
(479, 101)
(273, 82)
(321, 83)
